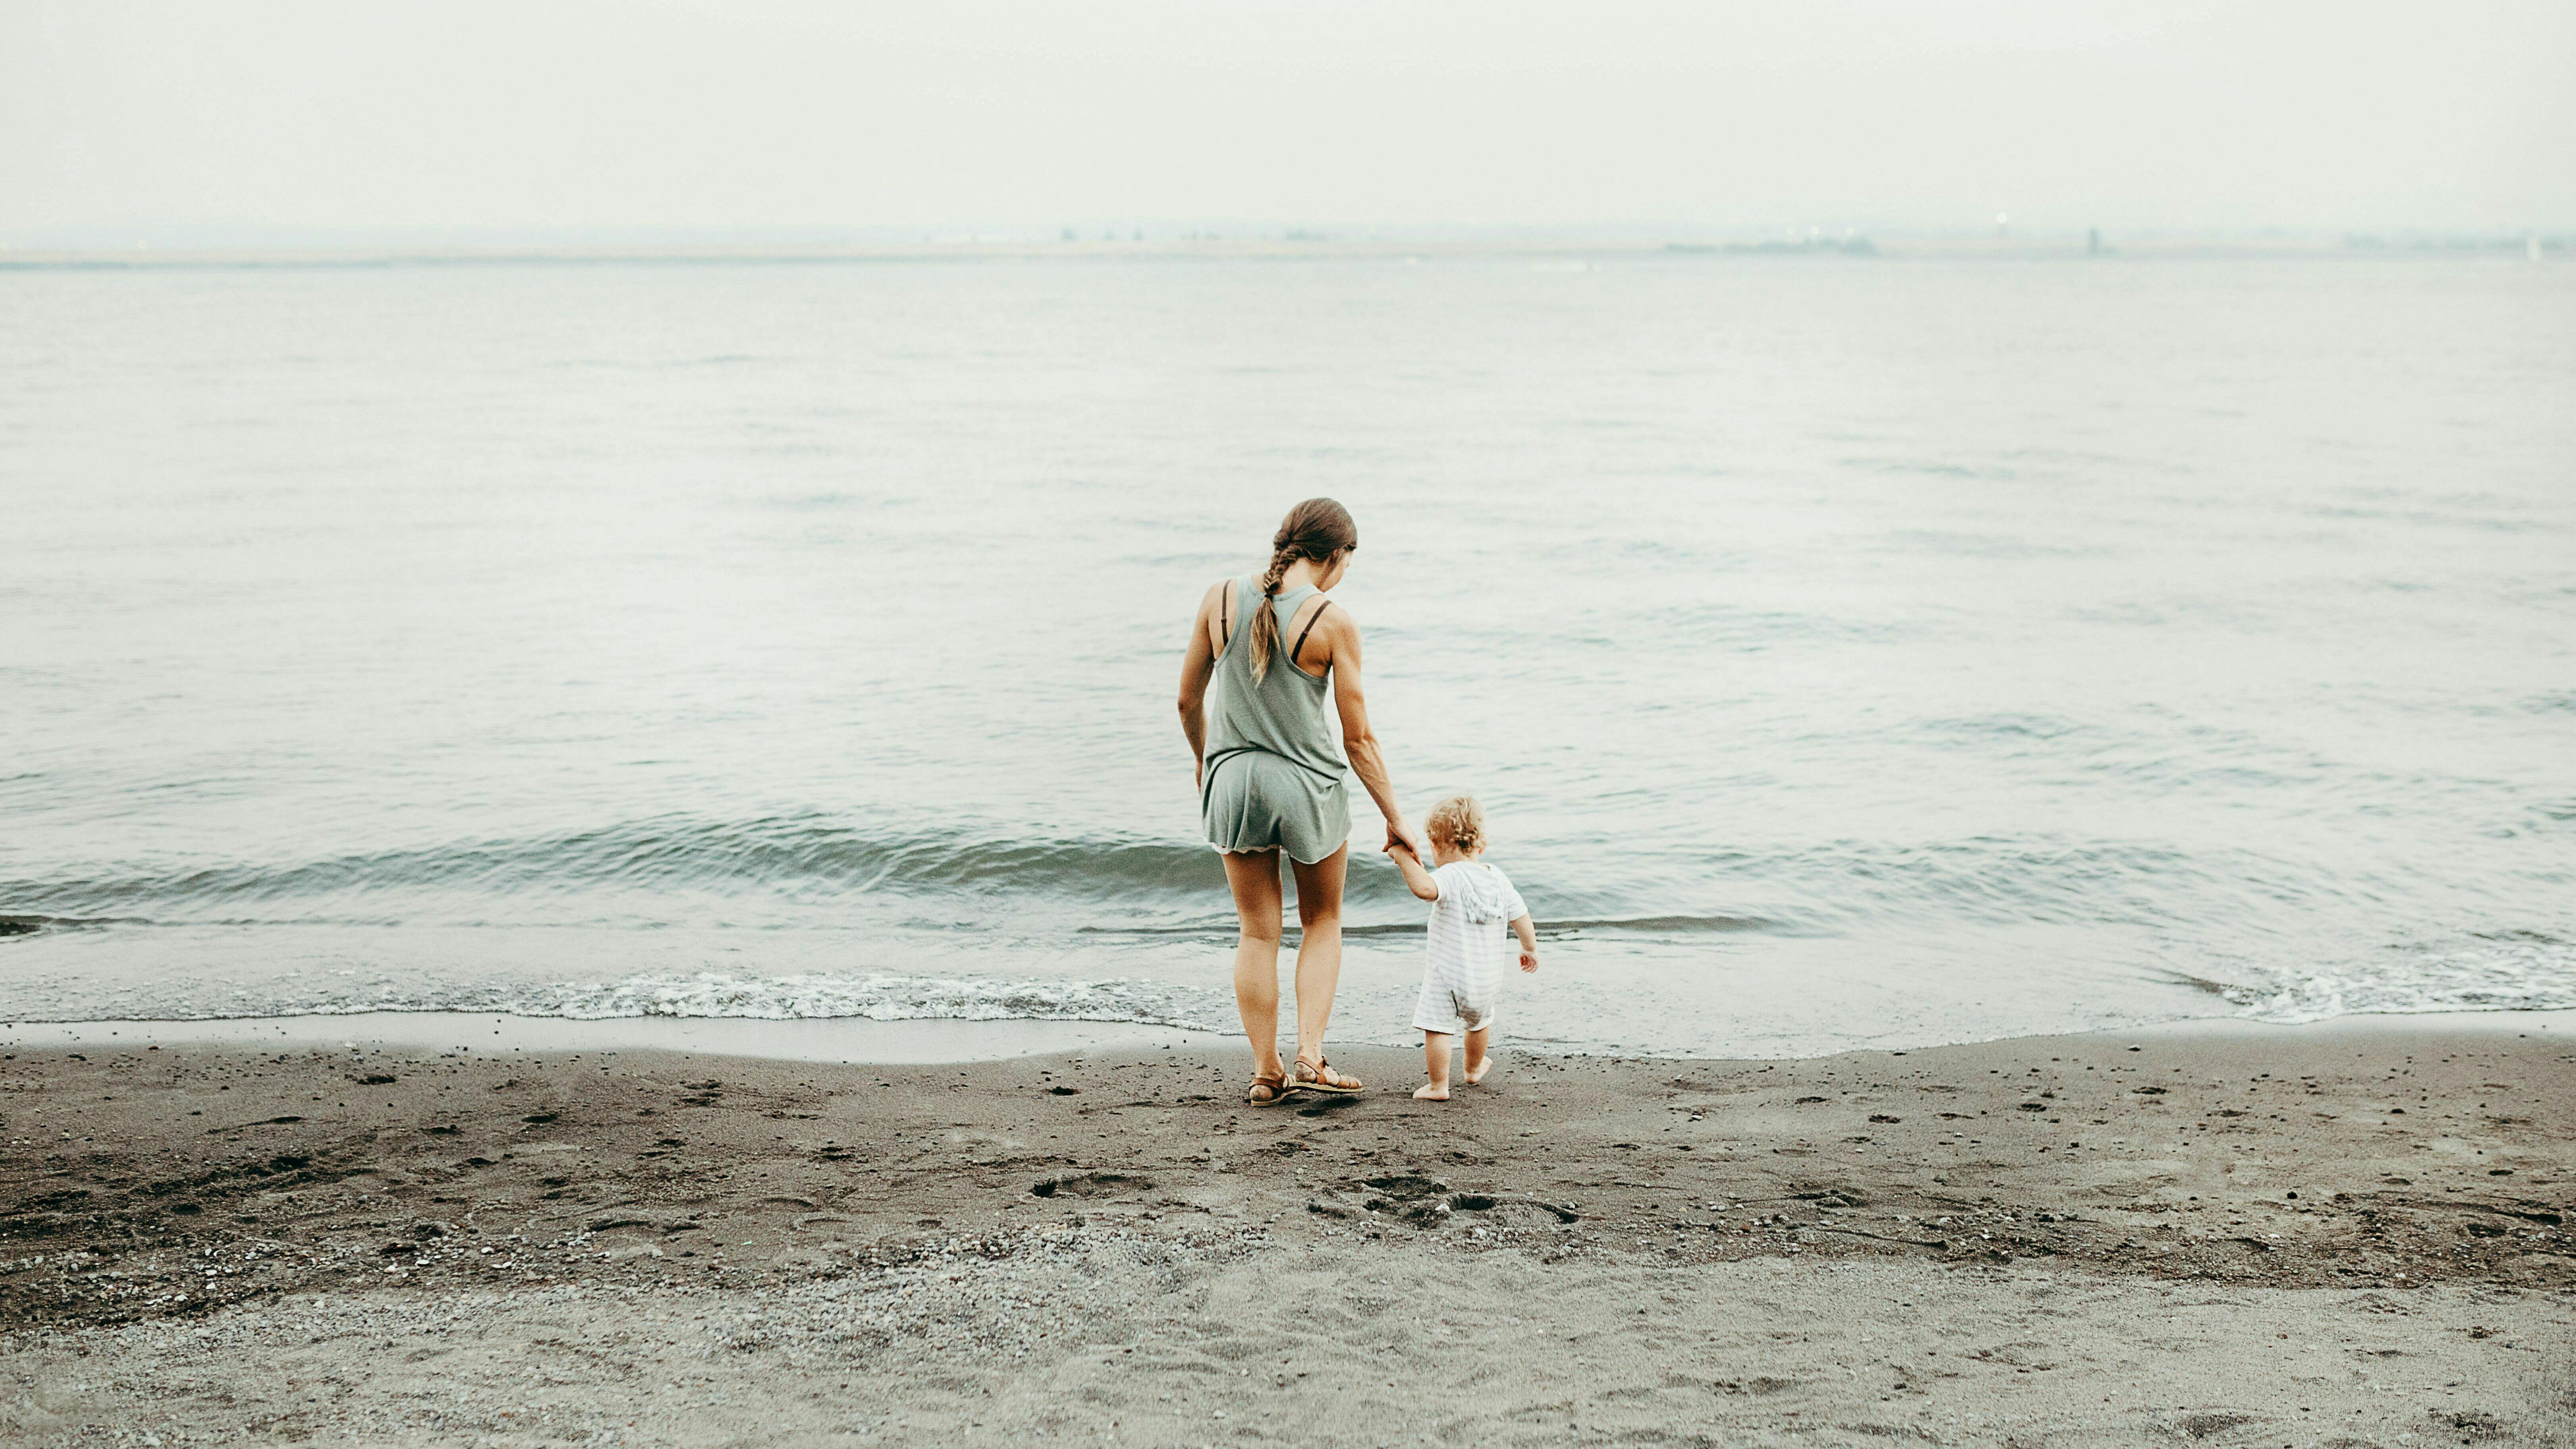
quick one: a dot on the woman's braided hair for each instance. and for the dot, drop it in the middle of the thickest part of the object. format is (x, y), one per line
(1315, 529)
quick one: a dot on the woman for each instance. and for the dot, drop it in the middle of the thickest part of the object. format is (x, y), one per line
(1270, 778)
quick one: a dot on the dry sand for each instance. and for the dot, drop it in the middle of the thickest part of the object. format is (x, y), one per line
(2352, 1234)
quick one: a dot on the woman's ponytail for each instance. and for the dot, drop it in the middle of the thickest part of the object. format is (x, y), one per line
(1265, 620)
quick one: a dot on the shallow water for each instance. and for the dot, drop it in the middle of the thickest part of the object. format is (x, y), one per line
(1846, 651)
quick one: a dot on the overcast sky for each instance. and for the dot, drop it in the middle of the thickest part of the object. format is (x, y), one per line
(550, 116)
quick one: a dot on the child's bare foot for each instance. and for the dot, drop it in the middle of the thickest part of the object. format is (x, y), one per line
(1477, 1072)
(1432, 1092)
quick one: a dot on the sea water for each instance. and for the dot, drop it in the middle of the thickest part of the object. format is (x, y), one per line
(1846, 651)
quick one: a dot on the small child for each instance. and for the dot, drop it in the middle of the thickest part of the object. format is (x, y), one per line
(1471, 903)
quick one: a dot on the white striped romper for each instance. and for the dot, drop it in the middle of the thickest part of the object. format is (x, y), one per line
(1471, 942)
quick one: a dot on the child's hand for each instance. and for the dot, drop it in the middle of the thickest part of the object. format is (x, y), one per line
(1529, 960)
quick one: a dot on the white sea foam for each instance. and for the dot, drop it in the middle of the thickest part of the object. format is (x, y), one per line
(2535, 979)
(878, 997)
(2508, 975)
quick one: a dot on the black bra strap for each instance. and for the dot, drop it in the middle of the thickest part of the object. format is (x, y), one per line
(1309, 629)
(1225, 625)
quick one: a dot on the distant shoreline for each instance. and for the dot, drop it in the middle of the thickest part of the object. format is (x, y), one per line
(1851, 247)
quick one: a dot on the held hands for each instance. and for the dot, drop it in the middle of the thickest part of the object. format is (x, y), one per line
(1403, 837)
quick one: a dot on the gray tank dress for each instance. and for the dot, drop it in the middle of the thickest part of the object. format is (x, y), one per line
(1274, 777)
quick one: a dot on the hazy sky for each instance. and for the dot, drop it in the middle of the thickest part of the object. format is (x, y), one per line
(539, 116)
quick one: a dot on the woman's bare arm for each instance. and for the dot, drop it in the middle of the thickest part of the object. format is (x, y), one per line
(1198, 662)
(1342, 636)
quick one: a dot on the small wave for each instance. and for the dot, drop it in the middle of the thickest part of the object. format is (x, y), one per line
(1664, 924)
(30, 925)
(1227, 928)
(778, 854)
(1659, 925)
(2008, 725)
(2504, 971)
(872, 997)
(880, 997)
(789, 867)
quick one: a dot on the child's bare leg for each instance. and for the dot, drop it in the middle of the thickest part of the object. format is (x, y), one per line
(1435, 1060)
(1477, 1061)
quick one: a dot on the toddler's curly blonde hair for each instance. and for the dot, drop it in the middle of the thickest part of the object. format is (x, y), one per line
(1458, 820)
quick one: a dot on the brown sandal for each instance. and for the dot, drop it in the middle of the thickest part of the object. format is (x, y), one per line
(1319, 1076)
(1267, 1091)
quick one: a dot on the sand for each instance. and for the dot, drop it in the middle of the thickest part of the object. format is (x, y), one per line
(2347, 1234)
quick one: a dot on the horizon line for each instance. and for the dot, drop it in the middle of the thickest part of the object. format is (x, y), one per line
(2000, 243)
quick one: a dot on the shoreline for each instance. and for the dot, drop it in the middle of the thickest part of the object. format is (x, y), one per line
(2089, 1240)
(837, 1040)
(852, 1041)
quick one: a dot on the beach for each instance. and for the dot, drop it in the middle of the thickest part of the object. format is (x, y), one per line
(2348, 1233)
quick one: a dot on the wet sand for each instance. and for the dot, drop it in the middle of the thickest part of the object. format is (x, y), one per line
(2347, 1234)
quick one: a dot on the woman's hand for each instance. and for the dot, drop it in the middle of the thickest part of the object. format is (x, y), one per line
(1400, 833)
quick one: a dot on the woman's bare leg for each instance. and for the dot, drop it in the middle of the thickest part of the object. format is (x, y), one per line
(1254, 878)
(1319, 949)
